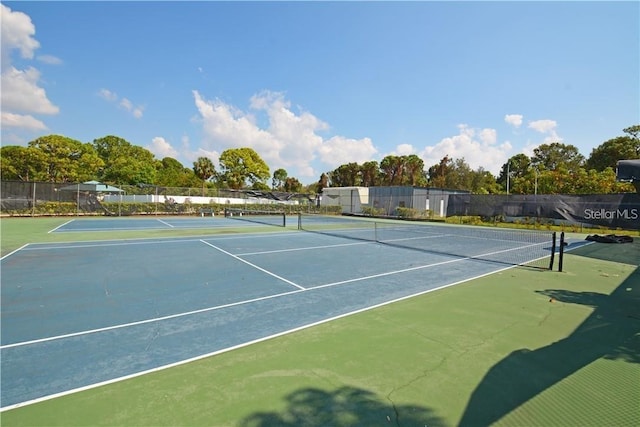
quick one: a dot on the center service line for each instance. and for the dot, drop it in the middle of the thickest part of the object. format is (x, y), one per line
(254, 266)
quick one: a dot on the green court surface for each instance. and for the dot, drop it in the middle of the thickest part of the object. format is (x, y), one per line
(517, 348)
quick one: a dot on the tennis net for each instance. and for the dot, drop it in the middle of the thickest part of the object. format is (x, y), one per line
(505, 246)
(268, 217)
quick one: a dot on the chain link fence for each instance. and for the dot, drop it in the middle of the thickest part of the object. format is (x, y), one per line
(22, 198)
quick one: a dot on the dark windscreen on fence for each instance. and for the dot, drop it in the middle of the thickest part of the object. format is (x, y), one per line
(607, 210)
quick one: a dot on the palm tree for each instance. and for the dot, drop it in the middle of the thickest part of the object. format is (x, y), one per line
(204, 169)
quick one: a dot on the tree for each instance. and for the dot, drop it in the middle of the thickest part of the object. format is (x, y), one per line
(555, 155)
(21, 163)
(607, 154)
(456, 174)
(347, 175)
(204, 169)
(518, 166)
(279, 178)
(260, 185)
(392, 170)
(240, 165)
(413, 173)
(66, 160)
(370, 173)
(459, 176)
(125, 163)
(438, 172)
(171, 173)
(633, 132)
(322, 183)
(483, 182)
(292, 185)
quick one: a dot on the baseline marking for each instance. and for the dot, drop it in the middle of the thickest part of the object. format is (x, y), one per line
(14, 251)
(60, 226)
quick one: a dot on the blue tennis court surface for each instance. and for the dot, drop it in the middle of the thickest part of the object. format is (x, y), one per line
(76, 315)
(149, 223)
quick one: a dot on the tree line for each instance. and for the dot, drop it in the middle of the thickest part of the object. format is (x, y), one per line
(554, 168)
(114, 160)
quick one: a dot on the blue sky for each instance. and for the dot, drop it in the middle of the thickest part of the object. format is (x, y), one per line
(313, 85)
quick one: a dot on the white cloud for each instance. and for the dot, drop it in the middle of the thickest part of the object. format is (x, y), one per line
(200, 152)
(20, 92)
(547, 127)
(543, 126)
(22, 121)
(288, 139)
(161, 148)
(49, 59)
(108, 95)
(514, 120)
(480, 152)
(528, 148)
(16, 33)
(227, 127)
(404, 150)
(125, 103)
(339, 150)
(294, 139)
(488, 136)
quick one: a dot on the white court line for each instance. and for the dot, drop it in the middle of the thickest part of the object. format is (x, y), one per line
(61, 225)
(104, 243)
(156, 240)
(235, 347)
(142, 322)
(204, 310)
(246, 344)
(14, 251)
(165, 223)
(418, 267)
(147, 240)
(253, 265)
(107, 230)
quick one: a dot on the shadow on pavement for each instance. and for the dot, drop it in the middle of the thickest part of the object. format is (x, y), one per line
(345, 406)
(612, 331)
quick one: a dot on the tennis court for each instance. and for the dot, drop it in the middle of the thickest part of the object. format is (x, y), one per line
(79, 314)
(110, 224)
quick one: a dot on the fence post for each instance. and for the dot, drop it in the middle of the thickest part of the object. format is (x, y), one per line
(33, 203)
(553, 250)
(561, 258)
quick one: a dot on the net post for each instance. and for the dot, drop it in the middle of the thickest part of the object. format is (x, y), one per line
(299, 220)
(561, 257)
(553, 250)
(284, 219)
